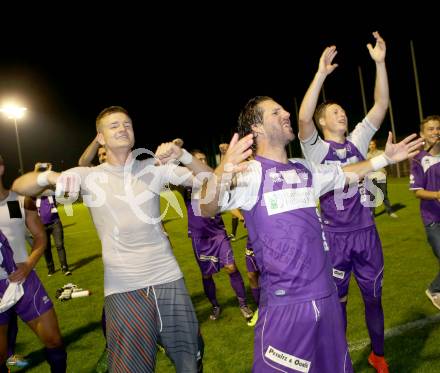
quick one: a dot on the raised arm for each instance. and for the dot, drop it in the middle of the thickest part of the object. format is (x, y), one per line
(381, 91)
(89, 154)
(394, 153)
(221, 180)
(310, 100)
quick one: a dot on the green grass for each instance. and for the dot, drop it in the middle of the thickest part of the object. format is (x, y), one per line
(409, 268)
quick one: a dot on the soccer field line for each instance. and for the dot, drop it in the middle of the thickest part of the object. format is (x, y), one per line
(398, 330)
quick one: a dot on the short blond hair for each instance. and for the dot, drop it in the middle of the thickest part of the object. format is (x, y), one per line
(107, 111)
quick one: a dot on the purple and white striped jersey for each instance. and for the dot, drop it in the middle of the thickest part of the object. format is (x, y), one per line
(279, 203)
(347, 209)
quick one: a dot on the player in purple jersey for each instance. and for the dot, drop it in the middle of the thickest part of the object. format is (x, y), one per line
(213, 251)
(425, 182)
(348, 222)
(48, 213)
(35, 308)
(300, 326)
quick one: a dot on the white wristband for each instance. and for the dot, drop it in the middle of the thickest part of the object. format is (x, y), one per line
(380, 161)
(185, 158)
(42, 179)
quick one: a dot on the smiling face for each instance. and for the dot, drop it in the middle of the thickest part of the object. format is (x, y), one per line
(430, 131)
(115, 131)
(333, 120)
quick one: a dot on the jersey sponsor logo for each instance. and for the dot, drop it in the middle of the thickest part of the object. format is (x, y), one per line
(280, 292)
(288, 199)
(338, 273)
(287, 360)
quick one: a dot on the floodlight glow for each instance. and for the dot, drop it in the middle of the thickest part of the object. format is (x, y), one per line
(13, 112)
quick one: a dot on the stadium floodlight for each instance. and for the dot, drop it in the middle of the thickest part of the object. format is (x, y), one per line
(15, 112)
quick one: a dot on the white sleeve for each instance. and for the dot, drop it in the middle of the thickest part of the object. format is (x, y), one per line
(73, 180)
(362, 135)
(245, 194)
(314, 148)
(177, 175)
(327, 177)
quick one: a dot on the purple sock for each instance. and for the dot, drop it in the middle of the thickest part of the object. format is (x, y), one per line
(375, 323)
(12, 334)
(256, 295)
(57, 359)
(238, 286)
(344, 314)
(210, 291)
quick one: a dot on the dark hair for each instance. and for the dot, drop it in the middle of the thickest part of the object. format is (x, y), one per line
(320, 111)
(250, 115)
(1, 160)
(109, 110)
(428, 119)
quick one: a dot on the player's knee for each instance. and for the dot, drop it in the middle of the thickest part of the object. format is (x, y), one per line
(231, 268)
(253, 279)
(53, 340)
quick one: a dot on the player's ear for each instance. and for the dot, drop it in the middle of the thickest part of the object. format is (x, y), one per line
(100, 138)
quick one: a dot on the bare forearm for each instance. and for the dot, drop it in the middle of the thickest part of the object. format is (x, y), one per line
(212, 191)
(37, 249)
(381, 96)
(427, 194)
(89, 154)
(381, 89)
(27, 184)
(308, 106)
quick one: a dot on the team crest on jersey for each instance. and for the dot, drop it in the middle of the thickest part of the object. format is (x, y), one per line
(341, 153)
(275, 177)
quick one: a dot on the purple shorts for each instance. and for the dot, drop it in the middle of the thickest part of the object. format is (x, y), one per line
(303, 337)
(361, 252)
(251, 264)
(212, 253)
(32, 304)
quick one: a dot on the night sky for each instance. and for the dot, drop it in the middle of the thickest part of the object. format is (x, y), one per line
(188, 76)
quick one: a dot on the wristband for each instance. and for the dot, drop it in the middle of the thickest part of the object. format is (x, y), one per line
(380, 161)
(185, 158)
(42, 179)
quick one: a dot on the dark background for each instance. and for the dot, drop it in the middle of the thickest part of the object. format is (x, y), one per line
(186, 70)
